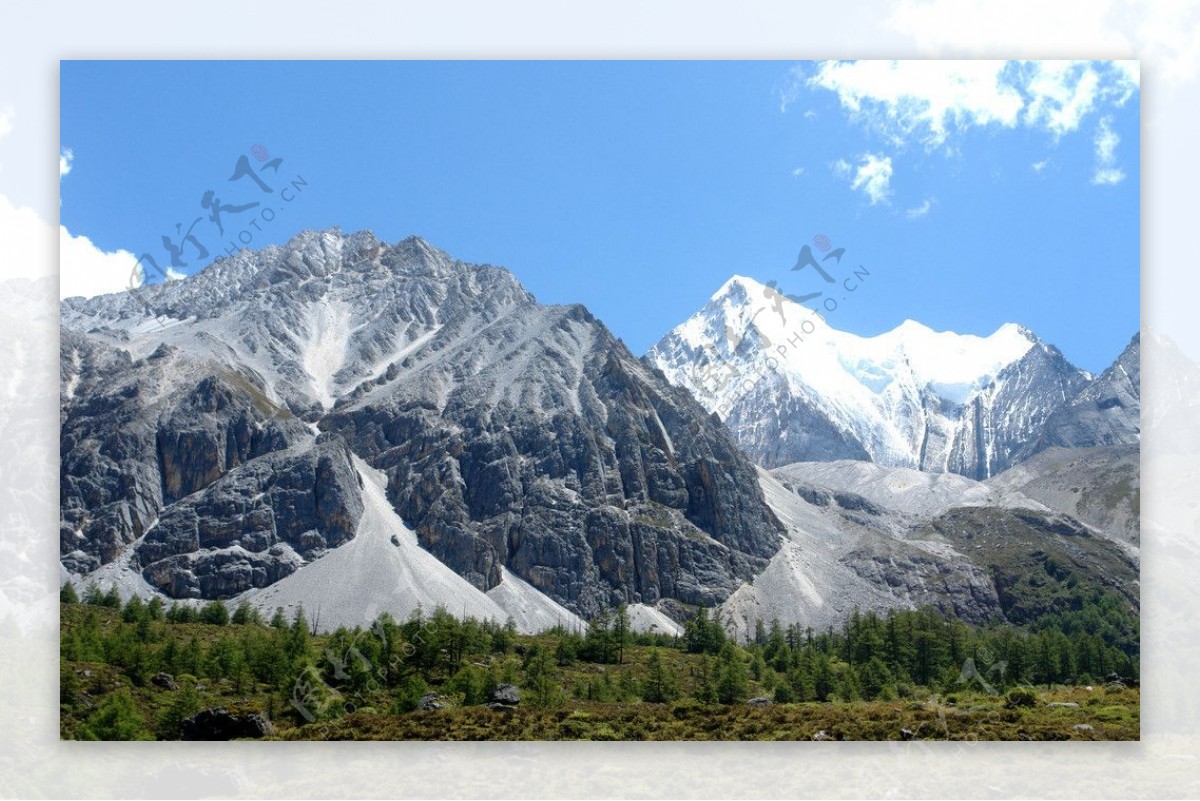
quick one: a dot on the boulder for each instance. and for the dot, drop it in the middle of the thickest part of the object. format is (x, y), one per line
(506, 694)
(221, 724)
(759, 701)
(498, 707)
(432, 701)
(163, 680)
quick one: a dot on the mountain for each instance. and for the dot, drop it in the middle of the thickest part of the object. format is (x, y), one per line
(791, 388)
(872, 538)
(275, 425)
(1099, 486)
(1105, 412)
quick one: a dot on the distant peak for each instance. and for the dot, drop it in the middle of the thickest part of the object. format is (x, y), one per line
(912, 325)
(748, 286)
(1015, 329)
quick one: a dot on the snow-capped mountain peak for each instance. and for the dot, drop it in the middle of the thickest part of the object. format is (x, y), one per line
(793, 387)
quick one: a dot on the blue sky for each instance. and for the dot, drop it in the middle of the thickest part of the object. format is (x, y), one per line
(973, 193)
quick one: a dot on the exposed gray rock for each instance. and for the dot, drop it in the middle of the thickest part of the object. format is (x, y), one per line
(761, 700)
(512, 434)
(430, 702)
(506, 694)
(998, 425)
(255, 524)
(1100, 486)
(163, 680)
(1105, 412)
(221, 724)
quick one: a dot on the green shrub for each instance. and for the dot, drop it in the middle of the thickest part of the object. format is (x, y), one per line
(1020, 697)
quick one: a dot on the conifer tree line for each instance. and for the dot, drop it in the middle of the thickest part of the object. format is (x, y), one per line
(391, 665)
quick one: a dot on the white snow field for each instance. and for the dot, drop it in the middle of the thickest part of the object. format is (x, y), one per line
(869, 387)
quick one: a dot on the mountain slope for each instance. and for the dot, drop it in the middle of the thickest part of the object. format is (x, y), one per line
(862, 536)
(1099, 486)
(211, 429)
(1105, 412)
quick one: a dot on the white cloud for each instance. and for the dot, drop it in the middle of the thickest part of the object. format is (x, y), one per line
(841, 168)
(26, 242)
(926, 99)
(1038, 166)
(85, 269)
(917, 212)
(873, 177)
(1164, 28)
(929, 101)
(1062, 93)
(1106, 141)
(798, 172)
(28, 251)
(65, 157)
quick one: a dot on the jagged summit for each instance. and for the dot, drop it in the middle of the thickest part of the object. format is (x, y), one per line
(794, 388)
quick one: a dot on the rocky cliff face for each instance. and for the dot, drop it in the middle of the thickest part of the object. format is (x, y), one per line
(996, 425)
(1106, 411)
(208, 430)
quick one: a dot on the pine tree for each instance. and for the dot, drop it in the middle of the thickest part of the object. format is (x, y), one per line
(660, 685)
(732, 684)
(245, 615)
(541, 677)
(116, 718)
(67, 594)
(620, 633)
(214, 613)
(706, 689)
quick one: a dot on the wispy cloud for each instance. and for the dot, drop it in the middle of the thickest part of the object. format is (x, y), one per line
(1106, 141)
(917, 212)
(1167, 29)
(65, 157)
(1038, 166)
(872, 176)
(798, 172)
(930, 101)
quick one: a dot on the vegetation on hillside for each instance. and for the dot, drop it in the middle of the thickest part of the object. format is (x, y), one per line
(876, 676)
